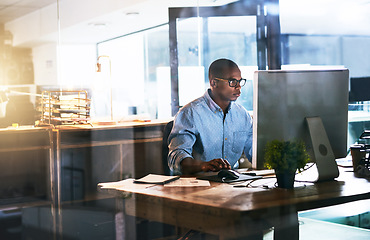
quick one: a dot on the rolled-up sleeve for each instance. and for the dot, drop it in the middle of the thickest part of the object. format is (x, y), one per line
(181, 140)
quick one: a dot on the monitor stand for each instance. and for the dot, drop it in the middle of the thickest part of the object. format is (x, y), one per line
(327, 167)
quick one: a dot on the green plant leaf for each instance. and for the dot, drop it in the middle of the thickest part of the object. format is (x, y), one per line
(286, 155)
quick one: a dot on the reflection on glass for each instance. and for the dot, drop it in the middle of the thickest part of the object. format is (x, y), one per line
(48, 189)
(136, 60)
(221, 37)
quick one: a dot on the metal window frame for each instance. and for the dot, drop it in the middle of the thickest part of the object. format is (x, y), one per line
(268, 35)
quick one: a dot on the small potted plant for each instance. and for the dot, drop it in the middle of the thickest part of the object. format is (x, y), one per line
(286, 157)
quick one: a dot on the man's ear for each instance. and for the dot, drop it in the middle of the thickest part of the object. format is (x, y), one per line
(213, 83)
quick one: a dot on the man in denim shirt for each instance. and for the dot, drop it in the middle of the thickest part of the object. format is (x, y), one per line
(211, 132)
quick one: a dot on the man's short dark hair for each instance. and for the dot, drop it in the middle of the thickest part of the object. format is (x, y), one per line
(221, 66)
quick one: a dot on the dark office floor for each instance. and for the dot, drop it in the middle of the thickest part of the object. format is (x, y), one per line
(311, 229)
(104, 219)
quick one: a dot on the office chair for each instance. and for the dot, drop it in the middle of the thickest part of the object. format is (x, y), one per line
(189, 233)
(166, 132)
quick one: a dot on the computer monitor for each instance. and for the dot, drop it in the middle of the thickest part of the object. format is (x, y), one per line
(359, 89)
(284, 99)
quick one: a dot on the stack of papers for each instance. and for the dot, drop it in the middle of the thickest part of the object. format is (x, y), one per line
(156, 179)
(150, 180)
(188, 182)
(124, 185)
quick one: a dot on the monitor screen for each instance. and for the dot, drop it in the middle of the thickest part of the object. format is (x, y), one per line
(359, 90)
(282, 100)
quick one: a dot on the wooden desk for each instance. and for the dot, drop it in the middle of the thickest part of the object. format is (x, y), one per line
(55, 167)
(25, 154)
(65, 162)
(238, 212)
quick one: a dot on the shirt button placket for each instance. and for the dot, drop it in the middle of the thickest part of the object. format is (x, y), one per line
(225, 144)
(225, 138)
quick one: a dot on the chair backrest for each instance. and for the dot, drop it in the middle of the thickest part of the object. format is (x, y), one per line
(166, 132)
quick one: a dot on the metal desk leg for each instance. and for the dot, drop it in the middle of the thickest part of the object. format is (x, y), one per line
(286, 225)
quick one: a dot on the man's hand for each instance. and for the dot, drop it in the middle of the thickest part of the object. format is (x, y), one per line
(215, 165)
(191, 166)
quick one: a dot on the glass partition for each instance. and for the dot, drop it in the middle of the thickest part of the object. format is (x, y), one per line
(330, 38)
(136, 63)
(202, 40)
(139, 62)
(28, 59)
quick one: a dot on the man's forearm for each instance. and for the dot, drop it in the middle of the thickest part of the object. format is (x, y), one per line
(190, 165)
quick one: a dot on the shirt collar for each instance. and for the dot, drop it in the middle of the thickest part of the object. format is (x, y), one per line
(212, 104)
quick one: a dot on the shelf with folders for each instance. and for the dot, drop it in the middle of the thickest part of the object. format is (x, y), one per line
(64, 107)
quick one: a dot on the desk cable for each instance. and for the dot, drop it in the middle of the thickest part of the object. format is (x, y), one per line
(248, 185)
(264, 186)
(188, 235)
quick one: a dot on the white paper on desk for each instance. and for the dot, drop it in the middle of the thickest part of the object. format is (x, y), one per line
(188, 182)
(124, 185)
(112, 185)
(156, 179)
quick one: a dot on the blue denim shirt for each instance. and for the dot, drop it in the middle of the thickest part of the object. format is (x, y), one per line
(200, 132)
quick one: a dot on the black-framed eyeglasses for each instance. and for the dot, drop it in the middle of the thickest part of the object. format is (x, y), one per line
(233, 82)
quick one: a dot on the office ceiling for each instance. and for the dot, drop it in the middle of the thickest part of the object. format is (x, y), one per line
(92, 25)
(296, 16)
(13, 9)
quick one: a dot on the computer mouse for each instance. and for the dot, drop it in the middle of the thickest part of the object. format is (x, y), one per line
(228, 174)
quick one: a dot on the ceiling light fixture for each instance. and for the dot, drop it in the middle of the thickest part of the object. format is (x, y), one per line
(99, 25)
(132, 14)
